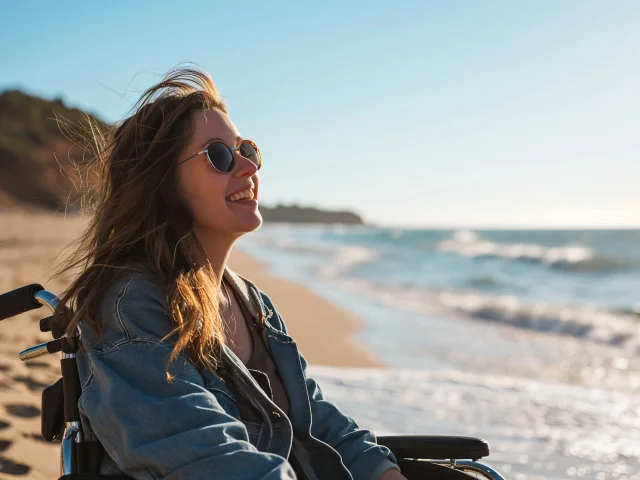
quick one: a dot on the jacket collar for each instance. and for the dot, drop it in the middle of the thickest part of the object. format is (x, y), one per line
(249, 295)
(245, 290)
(242, 287)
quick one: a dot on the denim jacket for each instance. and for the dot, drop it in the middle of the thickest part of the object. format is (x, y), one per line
(190, 428)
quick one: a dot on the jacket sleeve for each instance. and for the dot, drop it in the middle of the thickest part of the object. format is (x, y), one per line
(155, 429)
(363, 457)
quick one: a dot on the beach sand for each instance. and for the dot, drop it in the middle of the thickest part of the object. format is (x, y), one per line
(29, 242)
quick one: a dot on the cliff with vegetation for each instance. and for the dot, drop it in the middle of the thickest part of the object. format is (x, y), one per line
(42, 168)
(35, 157)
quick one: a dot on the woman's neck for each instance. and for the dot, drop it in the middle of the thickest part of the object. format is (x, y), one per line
(217, 249)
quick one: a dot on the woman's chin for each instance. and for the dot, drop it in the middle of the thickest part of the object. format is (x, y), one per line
(249, 222)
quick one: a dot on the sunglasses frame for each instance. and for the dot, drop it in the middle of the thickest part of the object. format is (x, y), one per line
(232, 150)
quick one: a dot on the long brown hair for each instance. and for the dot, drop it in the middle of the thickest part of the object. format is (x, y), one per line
(137, 215)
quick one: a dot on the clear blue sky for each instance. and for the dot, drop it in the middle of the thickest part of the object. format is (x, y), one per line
(449, 113)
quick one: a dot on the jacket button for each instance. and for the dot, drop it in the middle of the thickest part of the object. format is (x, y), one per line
(276, 414)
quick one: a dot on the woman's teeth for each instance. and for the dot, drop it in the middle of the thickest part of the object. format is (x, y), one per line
(241, 196)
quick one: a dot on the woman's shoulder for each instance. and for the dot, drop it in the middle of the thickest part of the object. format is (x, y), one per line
(132, 307)
(136, 287)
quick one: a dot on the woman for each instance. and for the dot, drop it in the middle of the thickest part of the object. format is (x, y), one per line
(187, 370)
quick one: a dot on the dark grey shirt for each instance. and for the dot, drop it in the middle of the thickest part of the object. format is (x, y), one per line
(261, 364)
(262, 368)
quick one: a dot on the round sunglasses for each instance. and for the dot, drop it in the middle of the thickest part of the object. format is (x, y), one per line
(221, 156)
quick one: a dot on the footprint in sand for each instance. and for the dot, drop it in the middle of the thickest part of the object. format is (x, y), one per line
(13, 468)
(35, 365)
(4, 425)
(9, 466)
(23, 411)
(4, 368)
(31, 383)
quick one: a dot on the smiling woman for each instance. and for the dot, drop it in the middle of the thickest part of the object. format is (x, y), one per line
(210, 181)
(187, 368)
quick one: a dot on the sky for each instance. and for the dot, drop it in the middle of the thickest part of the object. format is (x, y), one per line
(450, 113)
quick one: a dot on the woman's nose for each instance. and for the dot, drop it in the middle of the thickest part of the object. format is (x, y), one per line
(245, 166)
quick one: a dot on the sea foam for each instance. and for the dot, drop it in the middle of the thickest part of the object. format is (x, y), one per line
(619, 328)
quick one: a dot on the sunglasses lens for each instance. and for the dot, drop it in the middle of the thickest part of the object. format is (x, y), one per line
(220, 157)
(250, 151)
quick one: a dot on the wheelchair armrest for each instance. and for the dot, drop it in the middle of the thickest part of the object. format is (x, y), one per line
(435, 447)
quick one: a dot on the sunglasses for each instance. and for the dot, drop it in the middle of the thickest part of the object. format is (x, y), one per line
(221, 156)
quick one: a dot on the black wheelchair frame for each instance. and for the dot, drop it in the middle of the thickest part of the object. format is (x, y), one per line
(419, 456)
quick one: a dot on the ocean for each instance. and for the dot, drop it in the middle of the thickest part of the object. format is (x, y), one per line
(529, 339)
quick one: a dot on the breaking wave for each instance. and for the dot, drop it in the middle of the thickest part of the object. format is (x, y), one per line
(619, 327)
(571, 257)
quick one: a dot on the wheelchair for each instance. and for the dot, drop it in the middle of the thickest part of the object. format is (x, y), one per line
(419, 456)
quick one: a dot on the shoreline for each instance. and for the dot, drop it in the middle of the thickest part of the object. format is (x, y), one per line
(322, 330)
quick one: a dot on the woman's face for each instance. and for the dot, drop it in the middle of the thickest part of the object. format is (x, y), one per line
(206, 191)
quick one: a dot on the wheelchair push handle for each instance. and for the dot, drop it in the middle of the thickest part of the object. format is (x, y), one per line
(32, 297)
(19, 300)
(63, 344)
